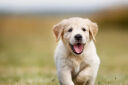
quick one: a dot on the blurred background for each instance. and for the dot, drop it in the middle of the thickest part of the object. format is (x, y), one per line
(27, 43)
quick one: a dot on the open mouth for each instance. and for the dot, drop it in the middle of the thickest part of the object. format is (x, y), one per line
(77, 48)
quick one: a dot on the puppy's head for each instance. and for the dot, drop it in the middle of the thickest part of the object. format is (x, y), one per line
(75, 33)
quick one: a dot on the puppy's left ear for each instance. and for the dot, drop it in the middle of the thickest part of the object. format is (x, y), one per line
(57, 31)
(93, 29)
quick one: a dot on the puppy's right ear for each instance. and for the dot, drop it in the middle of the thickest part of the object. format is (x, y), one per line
(93, 30)
(57, 31)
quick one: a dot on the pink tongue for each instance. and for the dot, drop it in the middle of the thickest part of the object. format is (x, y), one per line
(78, 48)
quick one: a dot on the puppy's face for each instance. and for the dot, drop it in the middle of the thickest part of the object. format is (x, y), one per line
(75, 33)
(75, 37)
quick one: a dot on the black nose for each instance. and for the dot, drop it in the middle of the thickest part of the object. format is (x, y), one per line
(78, 37)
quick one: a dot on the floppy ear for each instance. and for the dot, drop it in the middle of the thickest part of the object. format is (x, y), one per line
(57, 31)
(93, 29)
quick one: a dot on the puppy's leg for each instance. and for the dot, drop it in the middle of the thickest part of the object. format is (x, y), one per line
(93, 78)
(87, 76)
(84, 76)
(65, 77)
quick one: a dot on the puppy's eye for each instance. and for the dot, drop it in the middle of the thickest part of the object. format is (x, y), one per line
(83, 29)
(70, 30)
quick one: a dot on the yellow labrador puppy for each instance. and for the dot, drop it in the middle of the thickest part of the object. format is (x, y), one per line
(76, 59)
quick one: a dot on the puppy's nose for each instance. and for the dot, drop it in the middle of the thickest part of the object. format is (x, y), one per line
(78, 37)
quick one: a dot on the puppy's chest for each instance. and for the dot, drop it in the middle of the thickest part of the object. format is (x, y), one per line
(77, 65)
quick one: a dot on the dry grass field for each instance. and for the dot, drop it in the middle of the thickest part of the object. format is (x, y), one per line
(27, 46)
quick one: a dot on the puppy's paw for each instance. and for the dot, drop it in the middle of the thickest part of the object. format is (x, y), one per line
(82, 79)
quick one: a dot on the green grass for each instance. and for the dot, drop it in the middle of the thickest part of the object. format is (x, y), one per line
(26, 58)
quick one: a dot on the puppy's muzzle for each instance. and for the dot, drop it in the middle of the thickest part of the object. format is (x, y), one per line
(78, 37)
(77, 47)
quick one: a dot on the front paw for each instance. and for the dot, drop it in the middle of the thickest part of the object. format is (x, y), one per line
(82, 79)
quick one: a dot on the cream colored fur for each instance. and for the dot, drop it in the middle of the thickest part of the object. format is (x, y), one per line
(73, 69)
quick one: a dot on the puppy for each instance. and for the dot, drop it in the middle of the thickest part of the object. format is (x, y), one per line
(76, 59)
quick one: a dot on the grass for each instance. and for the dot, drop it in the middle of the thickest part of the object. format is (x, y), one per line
(26, 56)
